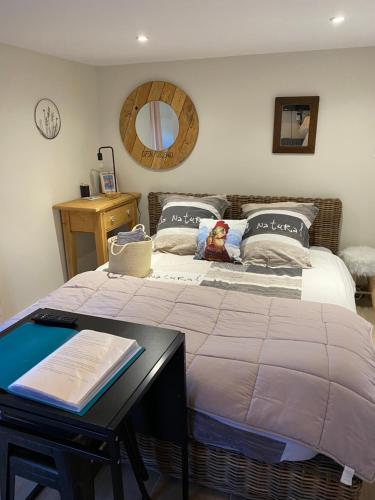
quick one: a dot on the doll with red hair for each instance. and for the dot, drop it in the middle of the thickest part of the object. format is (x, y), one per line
(215, 243)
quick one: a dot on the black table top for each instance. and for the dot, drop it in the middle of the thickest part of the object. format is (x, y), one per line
(108, 412)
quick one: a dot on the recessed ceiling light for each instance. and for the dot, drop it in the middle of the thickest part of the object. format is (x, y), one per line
(337, 19)
(142, 38)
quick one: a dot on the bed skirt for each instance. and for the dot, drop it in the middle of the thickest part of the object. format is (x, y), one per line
(315, 479)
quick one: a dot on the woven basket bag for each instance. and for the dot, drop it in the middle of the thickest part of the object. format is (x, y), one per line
(132, 259)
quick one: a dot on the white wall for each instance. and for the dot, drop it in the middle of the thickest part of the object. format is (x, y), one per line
(234, 98)
(35, 173)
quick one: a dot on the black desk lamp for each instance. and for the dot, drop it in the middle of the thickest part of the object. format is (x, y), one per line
(100, 157)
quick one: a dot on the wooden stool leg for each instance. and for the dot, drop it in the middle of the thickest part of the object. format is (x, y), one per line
(372, 290)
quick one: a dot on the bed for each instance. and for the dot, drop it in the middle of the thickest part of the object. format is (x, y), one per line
(233, 472)
(293, 473)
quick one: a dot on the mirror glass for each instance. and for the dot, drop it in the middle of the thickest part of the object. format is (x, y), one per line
(295, 124)
(157, 125)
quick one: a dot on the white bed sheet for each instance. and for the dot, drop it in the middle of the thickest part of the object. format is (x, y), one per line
(328, 281)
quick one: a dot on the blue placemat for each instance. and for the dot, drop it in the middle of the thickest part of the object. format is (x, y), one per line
(25, 346)
(28, 344)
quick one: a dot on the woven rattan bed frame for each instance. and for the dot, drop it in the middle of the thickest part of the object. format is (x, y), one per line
(324, 232)
(316, 479)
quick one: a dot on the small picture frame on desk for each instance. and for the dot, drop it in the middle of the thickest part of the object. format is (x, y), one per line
(107, 182)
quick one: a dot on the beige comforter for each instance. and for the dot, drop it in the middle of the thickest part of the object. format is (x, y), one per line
(302, 370)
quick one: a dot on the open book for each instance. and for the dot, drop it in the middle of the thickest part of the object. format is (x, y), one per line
(79, 370)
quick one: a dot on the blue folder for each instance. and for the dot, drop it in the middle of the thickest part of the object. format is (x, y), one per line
(27, 345)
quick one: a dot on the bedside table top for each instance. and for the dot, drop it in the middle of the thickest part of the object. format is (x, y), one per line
(99, 205)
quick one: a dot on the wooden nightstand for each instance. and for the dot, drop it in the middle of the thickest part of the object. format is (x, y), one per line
(95, 216)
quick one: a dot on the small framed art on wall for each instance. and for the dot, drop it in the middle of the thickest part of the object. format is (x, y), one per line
(295, 124)
(47, 118)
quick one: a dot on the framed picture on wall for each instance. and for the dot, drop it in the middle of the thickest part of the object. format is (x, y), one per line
(295, 124)
(107, 182)
(47, 118)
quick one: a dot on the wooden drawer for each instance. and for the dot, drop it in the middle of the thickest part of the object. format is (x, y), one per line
(81, 222)
(118, 216)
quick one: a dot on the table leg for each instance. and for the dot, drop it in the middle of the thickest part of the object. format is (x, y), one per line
(185, 471)
(100, 241)
(70, 246)
(177, 418)
(35, 492)
(184, 423)
(176, 372)
(162, 413)
(131, 446)
(116, 469)
(4, 470)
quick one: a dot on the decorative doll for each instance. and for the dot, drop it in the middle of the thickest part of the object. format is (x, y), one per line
(215, 243)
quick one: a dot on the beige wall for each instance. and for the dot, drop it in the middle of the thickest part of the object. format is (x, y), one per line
(234, 98)
(35, 173)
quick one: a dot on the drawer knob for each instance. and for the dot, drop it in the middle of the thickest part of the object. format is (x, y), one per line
(113, 218)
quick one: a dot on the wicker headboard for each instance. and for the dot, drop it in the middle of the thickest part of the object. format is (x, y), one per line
(324, 232)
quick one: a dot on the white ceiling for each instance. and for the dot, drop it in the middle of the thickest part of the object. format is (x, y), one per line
(103, 32)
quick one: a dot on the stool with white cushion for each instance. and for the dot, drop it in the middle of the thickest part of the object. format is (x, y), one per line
(361, 263)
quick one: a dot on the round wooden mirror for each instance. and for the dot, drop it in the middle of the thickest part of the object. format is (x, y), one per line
(159, 125)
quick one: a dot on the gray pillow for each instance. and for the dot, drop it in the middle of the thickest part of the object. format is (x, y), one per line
(178, 226)
(277, 234)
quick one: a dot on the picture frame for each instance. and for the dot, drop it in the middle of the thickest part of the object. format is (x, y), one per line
(107, 182)
(295, 124)
(47, 118)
